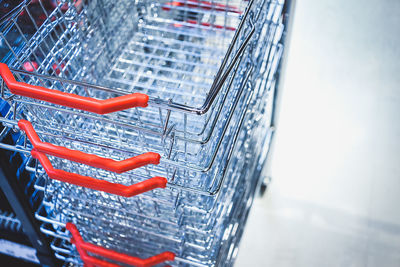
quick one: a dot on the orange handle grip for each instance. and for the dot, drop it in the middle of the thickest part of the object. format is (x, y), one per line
(96, 184)
(71, 100)
(88, 159)
(91, 261)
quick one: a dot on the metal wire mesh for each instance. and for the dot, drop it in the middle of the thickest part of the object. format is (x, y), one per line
(209, 69)
(151, 63)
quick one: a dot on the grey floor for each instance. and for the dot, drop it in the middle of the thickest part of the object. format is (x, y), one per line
(335, 195)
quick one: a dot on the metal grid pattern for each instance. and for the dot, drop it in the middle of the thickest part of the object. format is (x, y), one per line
(208, 69)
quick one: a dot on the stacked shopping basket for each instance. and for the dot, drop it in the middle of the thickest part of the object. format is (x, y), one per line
(143, 122)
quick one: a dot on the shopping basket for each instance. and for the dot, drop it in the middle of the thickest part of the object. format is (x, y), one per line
(174, 151)
(160, 119)
(191, 245)
(117, 98)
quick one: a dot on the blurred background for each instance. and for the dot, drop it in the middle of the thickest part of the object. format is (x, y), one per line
(334, 199)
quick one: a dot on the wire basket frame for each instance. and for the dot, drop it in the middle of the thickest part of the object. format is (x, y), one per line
(193, 255)
(162, 117)
(186, 83)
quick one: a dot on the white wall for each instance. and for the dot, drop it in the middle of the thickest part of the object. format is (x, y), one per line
(335, 195)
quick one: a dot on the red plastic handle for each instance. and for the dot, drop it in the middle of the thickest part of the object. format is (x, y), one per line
(91, 261)
(96, 184)
(71, 100)
(88, 159)
(203, 5)
(206, 24)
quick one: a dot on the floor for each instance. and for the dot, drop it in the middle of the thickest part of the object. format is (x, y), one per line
(334, 199)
